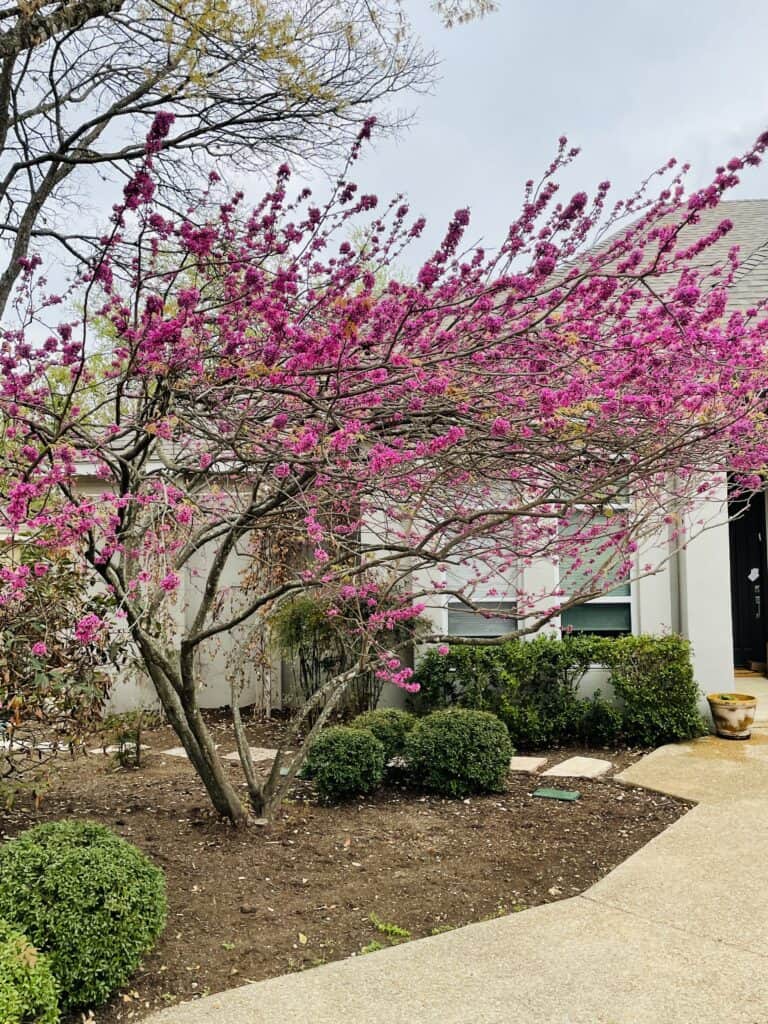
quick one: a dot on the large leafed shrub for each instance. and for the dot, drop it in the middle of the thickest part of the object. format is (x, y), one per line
(88, 899)
(533, 686)
(653, 679)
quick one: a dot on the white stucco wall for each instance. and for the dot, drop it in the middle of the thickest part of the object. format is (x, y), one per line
(133, 689)
(688, 593)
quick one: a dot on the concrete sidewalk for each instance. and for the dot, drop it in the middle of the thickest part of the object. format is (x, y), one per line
(677, 934)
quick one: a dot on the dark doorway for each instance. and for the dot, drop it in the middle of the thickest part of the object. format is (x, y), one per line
(748, 572)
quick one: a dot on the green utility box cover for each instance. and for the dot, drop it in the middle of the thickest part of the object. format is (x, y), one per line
(557, 794)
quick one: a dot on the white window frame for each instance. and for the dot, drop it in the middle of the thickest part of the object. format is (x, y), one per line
(511, 607)
(630, 599)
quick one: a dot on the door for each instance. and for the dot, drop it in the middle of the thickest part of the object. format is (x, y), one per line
(748, 571)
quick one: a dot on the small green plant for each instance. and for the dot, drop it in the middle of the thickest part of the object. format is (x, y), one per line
(392, 931)
(372, 947)
(457, 752)
(389, 725)
(86, 898)
(345, 763)
(28, 991)
(441, 929)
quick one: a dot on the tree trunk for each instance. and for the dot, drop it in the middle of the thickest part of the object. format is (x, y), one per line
(184, 716)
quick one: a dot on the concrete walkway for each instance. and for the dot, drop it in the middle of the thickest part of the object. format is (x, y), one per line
(677, 934)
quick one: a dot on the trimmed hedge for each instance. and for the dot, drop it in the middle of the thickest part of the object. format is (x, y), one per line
(88, 899)
(389, 725)
(345, 762)
(459, 751)
(28, 991)
(653, 678)
(532, 685)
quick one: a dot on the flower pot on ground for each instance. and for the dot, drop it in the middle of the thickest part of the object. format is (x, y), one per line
(733, 714)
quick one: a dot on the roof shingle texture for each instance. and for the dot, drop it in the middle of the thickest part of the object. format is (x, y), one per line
(750, 234)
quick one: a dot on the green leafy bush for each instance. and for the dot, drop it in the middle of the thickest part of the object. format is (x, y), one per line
(600, 722)
(459, 751)
(28, 991)
(653, 678)
(85, 897)
(345, 762)
(389, 725)
(533, 686)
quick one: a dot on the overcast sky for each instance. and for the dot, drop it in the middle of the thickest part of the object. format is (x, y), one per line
(632, 83)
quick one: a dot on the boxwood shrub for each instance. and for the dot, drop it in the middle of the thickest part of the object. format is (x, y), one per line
(459, 751)
(389, 725)
(345, 762)
(28, 992)
(88, 899)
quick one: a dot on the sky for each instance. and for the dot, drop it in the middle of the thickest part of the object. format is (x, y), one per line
(630, 83)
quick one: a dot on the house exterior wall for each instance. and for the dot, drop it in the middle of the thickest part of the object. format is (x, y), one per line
(689, 593)
(218, 658)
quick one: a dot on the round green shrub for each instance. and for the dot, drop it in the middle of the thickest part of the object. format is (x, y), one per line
(458, 751)
(389, 725)
(28, 991)
(85, 897)
(346, 762)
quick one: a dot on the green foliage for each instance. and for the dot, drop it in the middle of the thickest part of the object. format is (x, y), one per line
(28, 991)
(601, 723)
(653, 678)
(392, 931)
(345, 762)
(458, 751)
(389, 725)
(533, 687)
(371, 947)
(321, 646)
(85, 897)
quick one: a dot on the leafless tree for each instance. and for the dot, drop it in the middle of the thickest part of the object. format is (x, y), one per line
(249, 82)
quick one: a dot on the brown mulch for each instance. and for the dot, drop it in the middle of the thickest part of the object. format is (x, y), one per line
(252, 904)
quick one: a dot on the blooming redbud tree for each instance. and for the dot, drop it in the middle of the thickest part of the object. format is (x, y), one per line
(578, 388)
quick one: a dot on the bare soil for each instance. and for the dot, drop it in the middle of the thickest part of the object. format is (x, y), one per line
(322, 883)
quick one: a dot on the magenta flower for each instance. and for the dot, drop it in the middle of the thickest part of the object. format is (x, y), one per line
(170, 582)
(88, 628)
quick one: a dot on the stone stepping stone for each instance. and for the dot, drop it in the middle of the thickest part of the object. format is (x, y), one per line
(580, 768)
(527, 764)
(7, 747)
(174, 752)
(257, 754)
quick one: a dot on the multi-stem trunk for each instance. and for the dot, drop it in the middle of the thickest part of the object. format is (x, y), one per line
(177, 695)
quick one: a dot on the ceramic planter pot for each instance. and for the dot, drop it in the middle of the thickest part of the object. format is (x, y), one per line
(733, 714)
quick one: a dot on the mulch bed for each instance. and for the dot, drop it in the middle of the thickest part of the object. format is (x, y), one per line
(252, 904)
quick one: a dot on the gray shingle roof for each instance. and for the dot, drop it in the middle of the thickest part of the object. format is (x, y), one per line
(750, 234)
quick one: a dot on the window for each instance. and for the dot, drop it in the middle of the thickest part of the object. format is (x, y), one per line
(463, 621)
(609, 615)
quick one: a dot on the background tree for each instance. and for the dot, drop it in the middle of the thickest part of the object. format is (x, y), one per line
(535, 402)
(249, 81)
